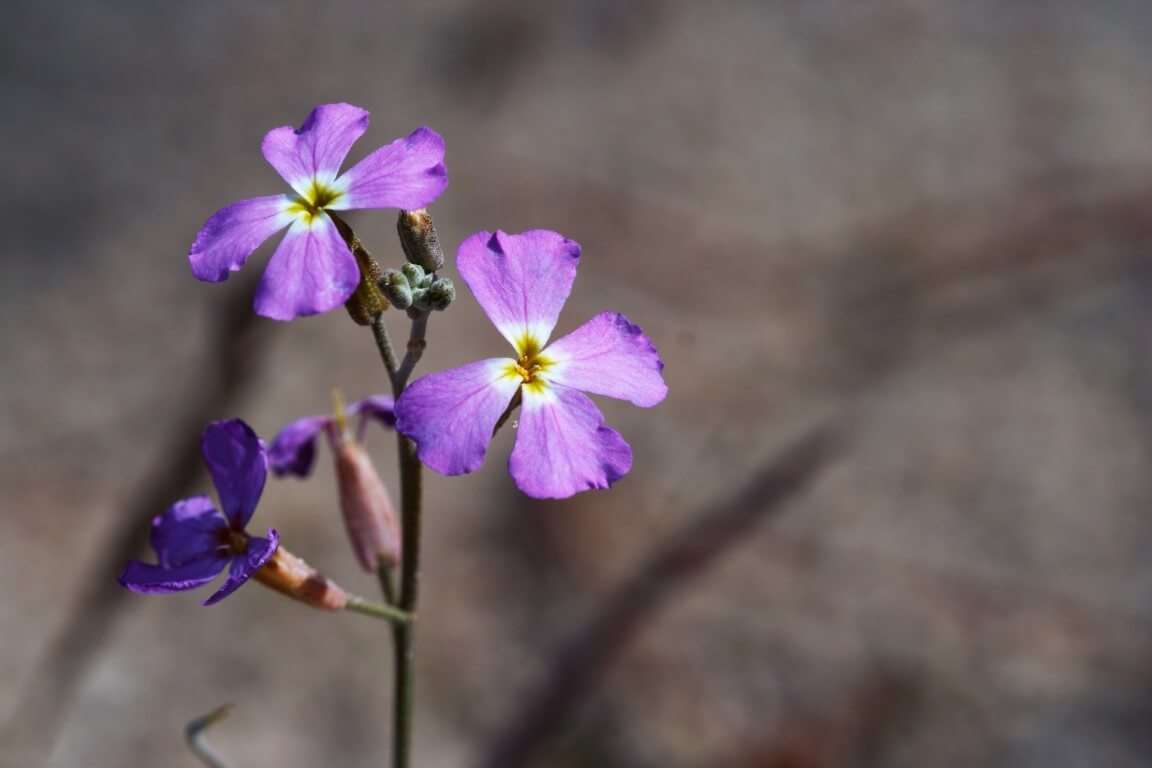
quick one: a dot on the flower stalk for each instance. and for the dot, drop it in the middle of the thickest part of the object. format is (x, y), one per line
(403, 598)
(410, 525)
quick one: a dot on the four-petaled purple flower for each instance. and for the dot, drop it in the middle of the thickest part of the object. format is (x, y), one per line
(193, 540)
(312, 270)
(562, 444)
(293, 450)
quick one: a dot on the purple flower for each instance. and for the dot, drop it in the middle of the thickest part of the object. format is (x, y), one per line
(193, 540)
(562, 444)
(293, 450)
(312, 270)
(369, 517)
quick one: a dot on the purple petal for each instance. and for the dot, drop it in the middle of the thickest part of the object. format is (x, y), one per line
(293, 450)
(239, 465)
(152, 579)
(189, 530)
(315, 150)
(311, 272)
(408, 173)
(243, 566)
(608, 355)
(379, 407)
(450, 415)
(227, 239)
(521, 281)
(563, 446)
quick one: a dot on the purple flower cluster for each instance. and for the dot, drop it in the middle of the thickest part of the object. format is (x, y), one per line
(562, 444)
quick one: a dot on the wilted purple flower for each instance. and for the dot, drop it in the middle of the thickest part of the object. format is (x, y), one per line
(193, 540)
(312, 270)
(369, 516)
(562, 444)
(293, 450)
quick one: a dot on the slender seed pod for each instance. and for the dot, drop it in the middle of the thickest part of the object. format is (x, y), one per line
(289, 575)
(419, 240)
(369, 516)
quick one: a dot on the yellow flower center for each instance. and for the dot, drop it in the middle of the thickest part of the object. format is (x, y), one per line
(531, 364)
(314, 200)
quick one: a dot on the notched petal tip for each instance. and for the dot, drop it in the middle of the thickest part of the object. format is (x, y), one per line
(349, 114)
(426, 137)
(521, 281)
(408, 173)
(316, 149)
(610, 355)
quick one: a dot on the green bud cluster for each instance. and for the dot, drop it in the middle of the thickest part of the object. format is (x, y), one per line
(415, 290)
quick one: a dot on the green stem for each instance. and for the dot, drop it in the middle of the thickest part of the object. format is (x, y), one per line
(403, 636)
(377, 610)
(410, 492)
(387, 354)
(415, 351)
(387, 588)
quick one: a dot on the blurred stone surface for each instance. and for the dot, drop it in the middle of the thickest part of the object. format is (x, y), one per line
(927, 220)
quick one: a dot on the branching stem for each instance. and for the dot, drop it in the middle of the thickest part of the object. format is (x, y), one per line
(410, 509)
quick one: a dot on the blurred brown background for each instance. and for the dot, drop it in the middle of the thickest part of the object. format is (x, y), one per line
(924, 222)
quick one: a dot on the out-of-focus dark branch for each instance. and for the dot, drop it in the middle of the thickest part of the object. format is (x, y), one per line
(194, 734)
(580, 664)
(233, 352)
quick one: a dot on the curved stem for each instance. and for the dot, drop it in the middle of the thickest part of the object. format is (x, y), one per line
(387, 354)
(377, 610)
(415, 350)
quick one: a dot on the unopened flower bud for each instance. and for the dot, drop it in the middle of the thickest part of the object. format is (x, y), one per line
(414, 273)
(419, 301)
(289, 575)
(419, 240)
(368, 513)
(396, 288)
(441, 294)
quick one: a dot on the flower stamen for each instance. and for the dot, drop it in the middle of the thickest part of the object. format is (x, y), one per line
(235, 542)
